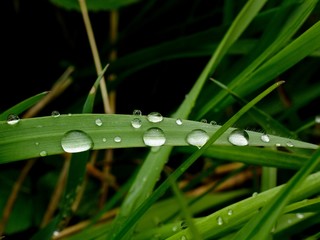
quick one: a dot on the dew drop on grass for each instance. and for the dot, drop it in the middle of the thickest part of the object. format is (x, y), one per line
(174, 228)
(290, 144)
(154, 137)
(104, 139)
(254, 194)
(204, 120)
(37, 143)
(12, 119)
(98, 122)
(213, 122)
(230, 212)
(137, 112)
(239, 137)
(219, 221)
(265, 138)
(299, 215)
(154, 117)
(197, 137)
(183, 238)
(55, 114)
(278, 144)
(43, 153)
(76, 141)
(56, 233)
(317, 119)
(179, 122)
(117, 139)
(136, 123)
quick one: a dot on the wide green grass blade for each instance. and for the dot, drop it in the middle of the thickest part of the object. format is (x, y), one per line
(22, 106)
(269, 214)
(121, 231)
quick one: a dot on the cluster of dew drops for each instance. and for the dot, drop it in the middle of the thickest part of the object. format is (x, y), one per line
(79, 141)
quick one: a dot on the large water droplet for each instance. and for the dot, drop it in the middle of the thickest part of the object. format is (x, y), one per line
(12, 119)
(265, 138)
(239, 137)
(219, 221)
(154, 137)
(197, 137)
(55, 114)
(98, 122)
(76, 141)
(154, 117)
(137, 112)
(136, 123)
(179, 122)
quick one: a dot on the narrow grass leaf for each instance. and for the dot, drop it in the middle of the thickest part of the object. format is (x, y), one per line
(269, 214)
(22, 106)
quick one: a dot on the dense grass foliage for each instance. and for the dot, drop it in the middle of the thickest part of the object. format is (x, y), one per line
(163, 120)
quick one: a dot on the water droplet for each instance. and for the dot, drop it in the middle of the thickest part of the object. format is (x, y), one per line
(239, 137)
(299, 215)
(98, 122)
(183, 238)
(56, 233)
(43, 153)
(219, 221)
(137, 112)
(76, 141)
(136, 123)
(278, 144)
(204, 120)
(55, 114)
(230, 212)
(179, 122)
(183, 225)
(317, 119)
(265, 138)
(104, 139)
(37, 144)
(197, 138)
(213, 122)
(174, 228)
(13, 119)
(154, 137)
(154, 117)
(289, 144)
(254, 194)
(117, 139)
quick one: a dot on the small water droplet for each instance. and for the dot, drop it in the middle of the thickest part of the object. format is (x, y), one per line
(56, 233)
(12, 119)
(213, 122)
(37, 144)
(183, 238)
(219, 221)
(137, 112)
(278, 144)
(183, 225)
(290, 144)
(69, 114)
(317, 119)
(254, 194)
(43, 153)
(204, 120)
(136, 123)
(179, 122)
(197, 137)
(174, 228)
(76, 141)
(154, 117)
(230, 212)
(55, 114)
(98, 122)
(299, 215)
(104, 139)
(154, 137)
(239, 137)
(117, 139)
(265, 138)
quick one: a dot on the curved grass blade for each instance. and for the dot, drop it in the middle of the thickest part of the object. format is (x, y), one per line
(269, 214)
(22, 106)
